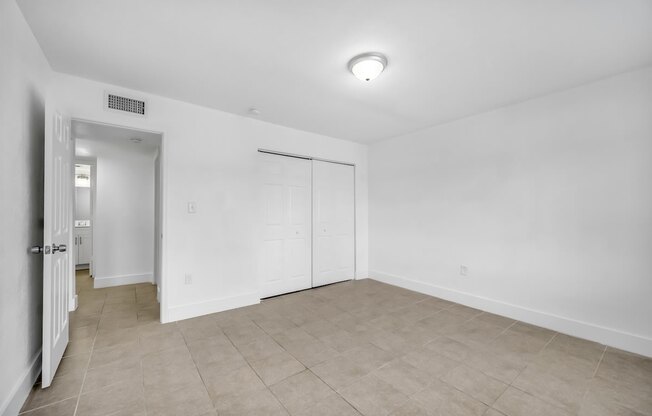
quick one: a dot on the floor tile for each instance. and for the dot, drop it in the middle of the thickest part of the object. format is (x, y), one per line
(339, 372)
(476, 384)
(83, 346)
(63, 408)
(223, 385)
(515, 402)
(276, 367)
(387, 350)
(200, 329)
(159, 342)
(300, 391)
(255, 403)
(73, 364)
(434, 364)
(215, 351)
(373, 397)
(311, 353)
(191, 399)
(369, 357)
(563, 387)
(63, 387)
(120, 371)
(333, 405)
(260, 348)
(403, 376)
(447, 400)
(123, 399)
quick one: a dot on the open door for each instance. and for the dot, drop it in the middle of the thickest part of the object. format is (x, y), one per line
(57, 234)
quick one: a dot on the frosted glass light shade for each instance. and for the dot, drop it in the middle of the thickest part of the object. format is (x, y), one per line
(367, 67)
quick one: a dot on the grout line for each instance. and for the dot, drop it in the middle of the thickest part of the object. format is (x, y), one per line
(203, 382)
(254, 371)
(604, 351)
(536, 355)
(336, 391)
(81, 388)
(27, 412)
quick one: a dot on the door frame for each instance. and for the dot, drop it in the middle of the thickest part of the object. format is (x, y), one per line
(355, 202)
(160, 195)
(92, 161)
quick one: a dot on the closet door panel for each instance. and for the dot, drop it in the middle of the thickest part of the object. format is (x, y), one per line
(286, 191)
(333, 222)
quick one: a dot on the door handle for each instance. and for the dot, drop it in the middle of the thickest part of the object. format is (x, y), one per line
(40, 250)
(60, 248)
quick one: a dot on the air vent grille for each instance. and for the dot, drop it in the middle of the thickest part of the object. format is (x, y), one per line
(130, 105)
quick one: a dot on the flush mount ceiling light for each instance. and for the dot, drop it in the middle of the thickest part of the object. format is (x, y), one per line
(367, 66)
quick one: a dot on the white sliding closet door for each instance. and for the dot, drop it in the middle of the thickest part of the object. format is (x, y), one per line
(333, 223)
(286, 265)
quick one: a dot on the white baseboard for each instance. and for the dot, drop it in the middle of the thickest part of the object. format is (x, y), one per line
(130, 279)
(192, 310)
(74, 302)
(14, 402)
(363, 274)
(608, 336)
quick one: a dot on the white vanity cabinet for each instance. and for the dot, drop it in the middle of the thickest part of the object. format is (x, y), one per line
(83, 249)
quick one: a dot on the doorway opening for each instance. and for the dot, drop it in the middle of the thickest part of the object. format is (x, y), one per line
(117, 210)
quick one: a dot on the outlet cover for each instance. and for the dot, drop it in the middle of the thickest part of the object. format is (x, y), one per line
(464, 270)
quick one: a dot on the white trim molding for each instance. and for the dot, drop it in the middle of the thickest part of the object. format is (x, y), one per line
(608, 336)
(19, 393)
(74, 303)
(129, 279)
(363, 274)
(192, 310)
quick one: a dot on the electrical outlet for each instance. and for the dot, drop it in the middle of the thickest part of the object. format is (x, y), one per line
(464, 270)
(192, 207)
(188, 279)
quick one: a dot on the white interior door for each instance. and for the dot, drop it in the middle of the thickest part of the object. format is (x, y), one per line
(333, 222)
(57, 238)
(285, 265)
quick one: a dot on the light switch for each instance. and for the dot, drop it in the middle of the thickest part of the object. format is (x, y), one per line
(192, 207)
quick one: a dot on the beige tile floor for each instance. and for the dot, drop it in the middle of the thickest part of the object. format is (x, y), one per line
(347, 349)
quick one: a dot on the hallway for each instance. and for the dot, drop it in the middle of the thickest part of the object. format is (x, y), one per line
(114, 325)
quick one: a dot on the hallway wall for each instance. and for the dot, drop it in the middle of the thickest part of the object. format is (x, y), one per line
(24, 74)
(123, 230)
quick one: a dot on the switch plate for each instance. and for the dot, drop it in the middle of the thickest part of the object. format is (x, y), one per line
(188, 279)
(464, 270)
(192, 207)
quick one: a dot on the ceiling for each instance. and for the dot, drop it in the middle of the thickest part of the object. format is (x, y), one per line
(92, 138)
(447, 58)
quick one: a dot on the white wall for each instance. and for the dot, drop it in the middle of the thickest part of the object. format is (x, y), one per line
(82, 203)
(210, 157)
(24, 74)
(548, 202)
(123, 228)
